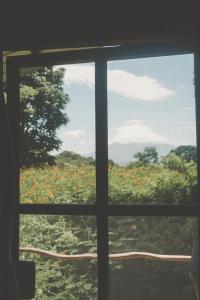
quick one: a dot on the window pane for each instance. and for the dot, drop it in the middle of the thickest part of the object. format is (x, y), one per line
(71, 235)
(145, 278)
(57, 134)
(152, 131)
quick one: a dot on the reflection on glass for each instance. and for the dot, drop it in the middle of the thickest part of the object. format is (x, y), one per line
(145, 278)
(152, 131)
(67, 235)
(57, 134)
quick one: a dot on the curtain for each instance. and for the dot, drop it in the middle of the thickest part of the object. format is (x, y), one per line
(8, 283)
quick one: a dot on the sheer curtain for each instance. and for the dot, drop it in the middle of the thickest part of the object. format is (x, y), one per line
(8, 283)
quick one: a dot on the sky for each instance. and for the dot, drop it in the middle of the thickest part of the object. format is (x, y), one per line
(150, 100)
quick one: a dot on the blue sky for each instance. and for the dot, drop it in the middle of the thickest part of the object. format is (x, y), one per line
(150, 100)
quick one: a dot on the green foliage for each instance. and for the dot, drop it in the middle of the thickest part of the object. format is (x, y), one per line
(189, 152)
(145, 278)
(69, 157)
(152, 184)
(66, 184)
(148, 156)
(111, 163)
(59, 279)
(42, 100)
(174, 162)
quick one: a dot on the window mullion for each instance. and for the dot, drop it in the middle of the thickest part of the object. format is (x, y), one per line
(197, 99)
(102, 176)
(13, 115)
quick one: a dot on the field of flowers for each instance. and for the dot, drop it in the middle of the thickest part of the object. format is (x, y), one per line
(71, 184)
(151, 184)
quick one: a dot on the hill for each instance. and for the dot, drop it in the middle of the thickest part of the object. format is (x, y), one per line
(68, 157)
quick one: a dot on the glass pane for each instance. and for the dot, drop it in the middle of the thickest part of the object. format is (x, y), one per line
(57, 134)
(141, 277)
(57, 278)
(152, 131)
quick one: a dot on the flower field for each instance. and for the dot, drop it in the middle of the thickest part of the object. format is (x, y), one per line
(75, 184)
(70, 184)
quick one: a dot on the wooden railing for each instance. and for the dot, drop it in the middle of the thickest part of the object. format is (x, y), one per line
(118, 256)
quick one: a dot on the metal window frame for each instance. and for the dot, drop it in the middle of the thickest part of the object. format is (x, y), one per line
(101, 209)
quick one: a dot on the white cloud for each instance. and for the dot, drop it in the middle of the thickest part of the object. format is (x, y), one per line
(136, 87)
(135, 131)
(82, 74)
(76, 140)
(120, 82)
(73, 134)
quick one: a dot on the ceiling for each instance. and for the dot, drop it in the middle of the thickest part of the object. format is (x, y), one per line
(7, 54)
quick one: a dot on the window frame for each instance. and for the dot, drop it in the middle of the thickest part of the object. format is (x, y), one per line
(101, 209)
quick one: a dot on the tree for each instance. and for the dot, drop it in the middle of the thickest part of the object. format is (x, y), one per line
(111, 162)
(188, 152)
(148, 156)
(68, 157)
(174, 162)
(42, 100)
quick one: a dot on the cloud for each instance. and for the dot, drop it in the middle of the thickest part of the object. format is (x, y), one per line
(73, 134)
(76, 140)
(82, 74)
(136, 87)
(135, 131)
(120, 82)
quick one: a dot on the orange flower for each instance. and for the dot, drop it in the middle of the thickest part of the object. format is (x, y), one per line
(90, 184)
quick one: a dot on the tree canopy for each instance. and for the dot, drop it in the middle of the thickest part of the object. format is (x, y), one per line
(68, 157)
(188, 152)
(149, 155)
(42, 100)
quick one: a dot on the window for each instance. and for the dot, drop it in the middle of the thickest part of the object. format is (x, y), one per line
(133, 194)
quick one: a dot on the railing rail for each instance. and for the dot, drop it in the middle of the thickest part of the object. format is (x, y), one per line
(118, 256)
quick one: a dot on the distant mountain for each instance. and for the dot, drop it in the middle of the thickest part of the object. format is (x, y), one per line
(123, 153)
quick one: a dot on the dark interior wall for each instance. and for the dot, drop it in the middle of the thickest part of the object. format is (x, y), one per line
(82, 23)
